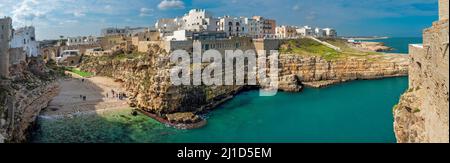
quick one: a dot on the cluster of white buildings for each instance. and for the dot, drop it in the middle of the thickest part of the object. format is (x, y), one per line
(257, 27)
(199, 20)
(284, 32)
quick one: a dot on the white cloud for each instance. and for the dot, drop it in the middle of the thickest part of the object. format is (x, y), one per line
(171, 4)
(29, 10)
(79, 13)
(145, 12)
(296, 8)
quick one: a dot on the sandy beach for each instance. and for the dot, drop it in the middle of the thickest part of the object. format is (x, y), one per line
(97, 91)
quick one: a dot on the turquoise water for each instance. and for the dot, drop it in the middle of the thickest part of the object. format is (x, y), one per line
(400, 44)
(357, 111)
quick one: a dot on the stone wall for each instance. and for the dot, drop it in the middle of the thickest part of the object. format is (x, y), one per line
(16, 56)
(5, 38)
(422, 113)
(443, 9)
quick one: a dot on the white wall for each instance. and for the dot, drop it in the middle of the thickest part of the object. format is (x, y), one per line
(25, 38)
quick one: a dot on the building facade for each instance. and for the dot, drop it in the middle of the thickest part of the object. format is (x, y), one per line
(285, 32)
(81, 40)
(266, 27)
(233, 26)
(305, 31)
(25, 38)
(166, 27)
(127, 31)
(198, 20)
(330, 32)
(6, 32)
(318, 32)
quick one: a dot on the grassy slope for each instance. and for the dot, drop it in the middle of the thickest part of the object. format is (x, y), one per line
(77, 71)
(306, 46)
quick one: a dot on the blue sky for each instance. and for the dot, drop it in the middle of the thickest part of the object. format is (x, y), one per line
(52, 18)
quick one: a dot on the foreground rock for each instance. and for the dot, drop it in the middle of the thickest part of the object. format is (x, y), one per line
(22, 97)
(422, 113)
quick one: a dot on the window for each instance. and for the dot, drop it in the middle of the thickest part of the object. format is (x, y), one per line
(24, 41)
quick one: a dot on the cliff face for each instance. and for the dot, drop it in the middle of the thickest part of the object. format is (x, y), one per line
(313, 69)
(422, 113)
(148, 83)
(22, 97)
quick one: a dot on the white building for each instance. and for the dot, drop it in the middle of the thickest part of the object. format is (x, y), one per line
(330, 32)
(25, 38)
(198, 20)
(179, 35)
(318, 32)
(253, 27)
(81, 40)
(284, 32)
(305, 31)
(234, 26)
(167, 26)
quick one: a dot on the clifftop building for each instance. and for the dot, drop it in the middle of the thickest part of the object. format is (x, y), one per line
(198, 20)
(25, 38)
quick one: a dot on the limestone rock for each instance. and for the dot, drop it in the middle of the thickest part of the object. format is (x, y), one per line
(422, 113)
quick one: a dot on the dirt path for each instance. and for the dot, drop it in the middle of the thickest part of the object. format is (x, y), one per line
(68, 102)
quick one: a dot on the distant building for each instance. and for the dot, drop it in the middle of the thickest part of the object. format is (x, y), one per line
(198, 20)
(330, 32)
(233, 26)
(179, 35)
(127, 31)
(25, 38)
(81, 40)
(166, 27)
(253, 27)
(284, 32)
(305, 31)
(6, 32)
(209, 35)
(318, 32)
(267, 27)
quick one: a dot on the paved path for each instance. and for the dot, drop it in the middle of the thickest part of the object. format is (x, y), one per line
(68, 101)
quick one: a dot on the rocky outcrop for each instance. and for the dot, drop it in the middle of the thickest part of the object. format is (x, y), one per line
(147, 79)
(373, 46)
(316, 69)
(22, 97)
(422, 113)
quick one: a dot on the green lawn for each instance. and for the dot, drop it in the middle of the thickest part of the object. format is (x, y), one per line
(79, 72)
(306, 46)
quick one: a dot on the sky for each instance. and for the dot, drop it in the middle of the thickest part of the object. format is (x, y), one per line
(55, 18)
